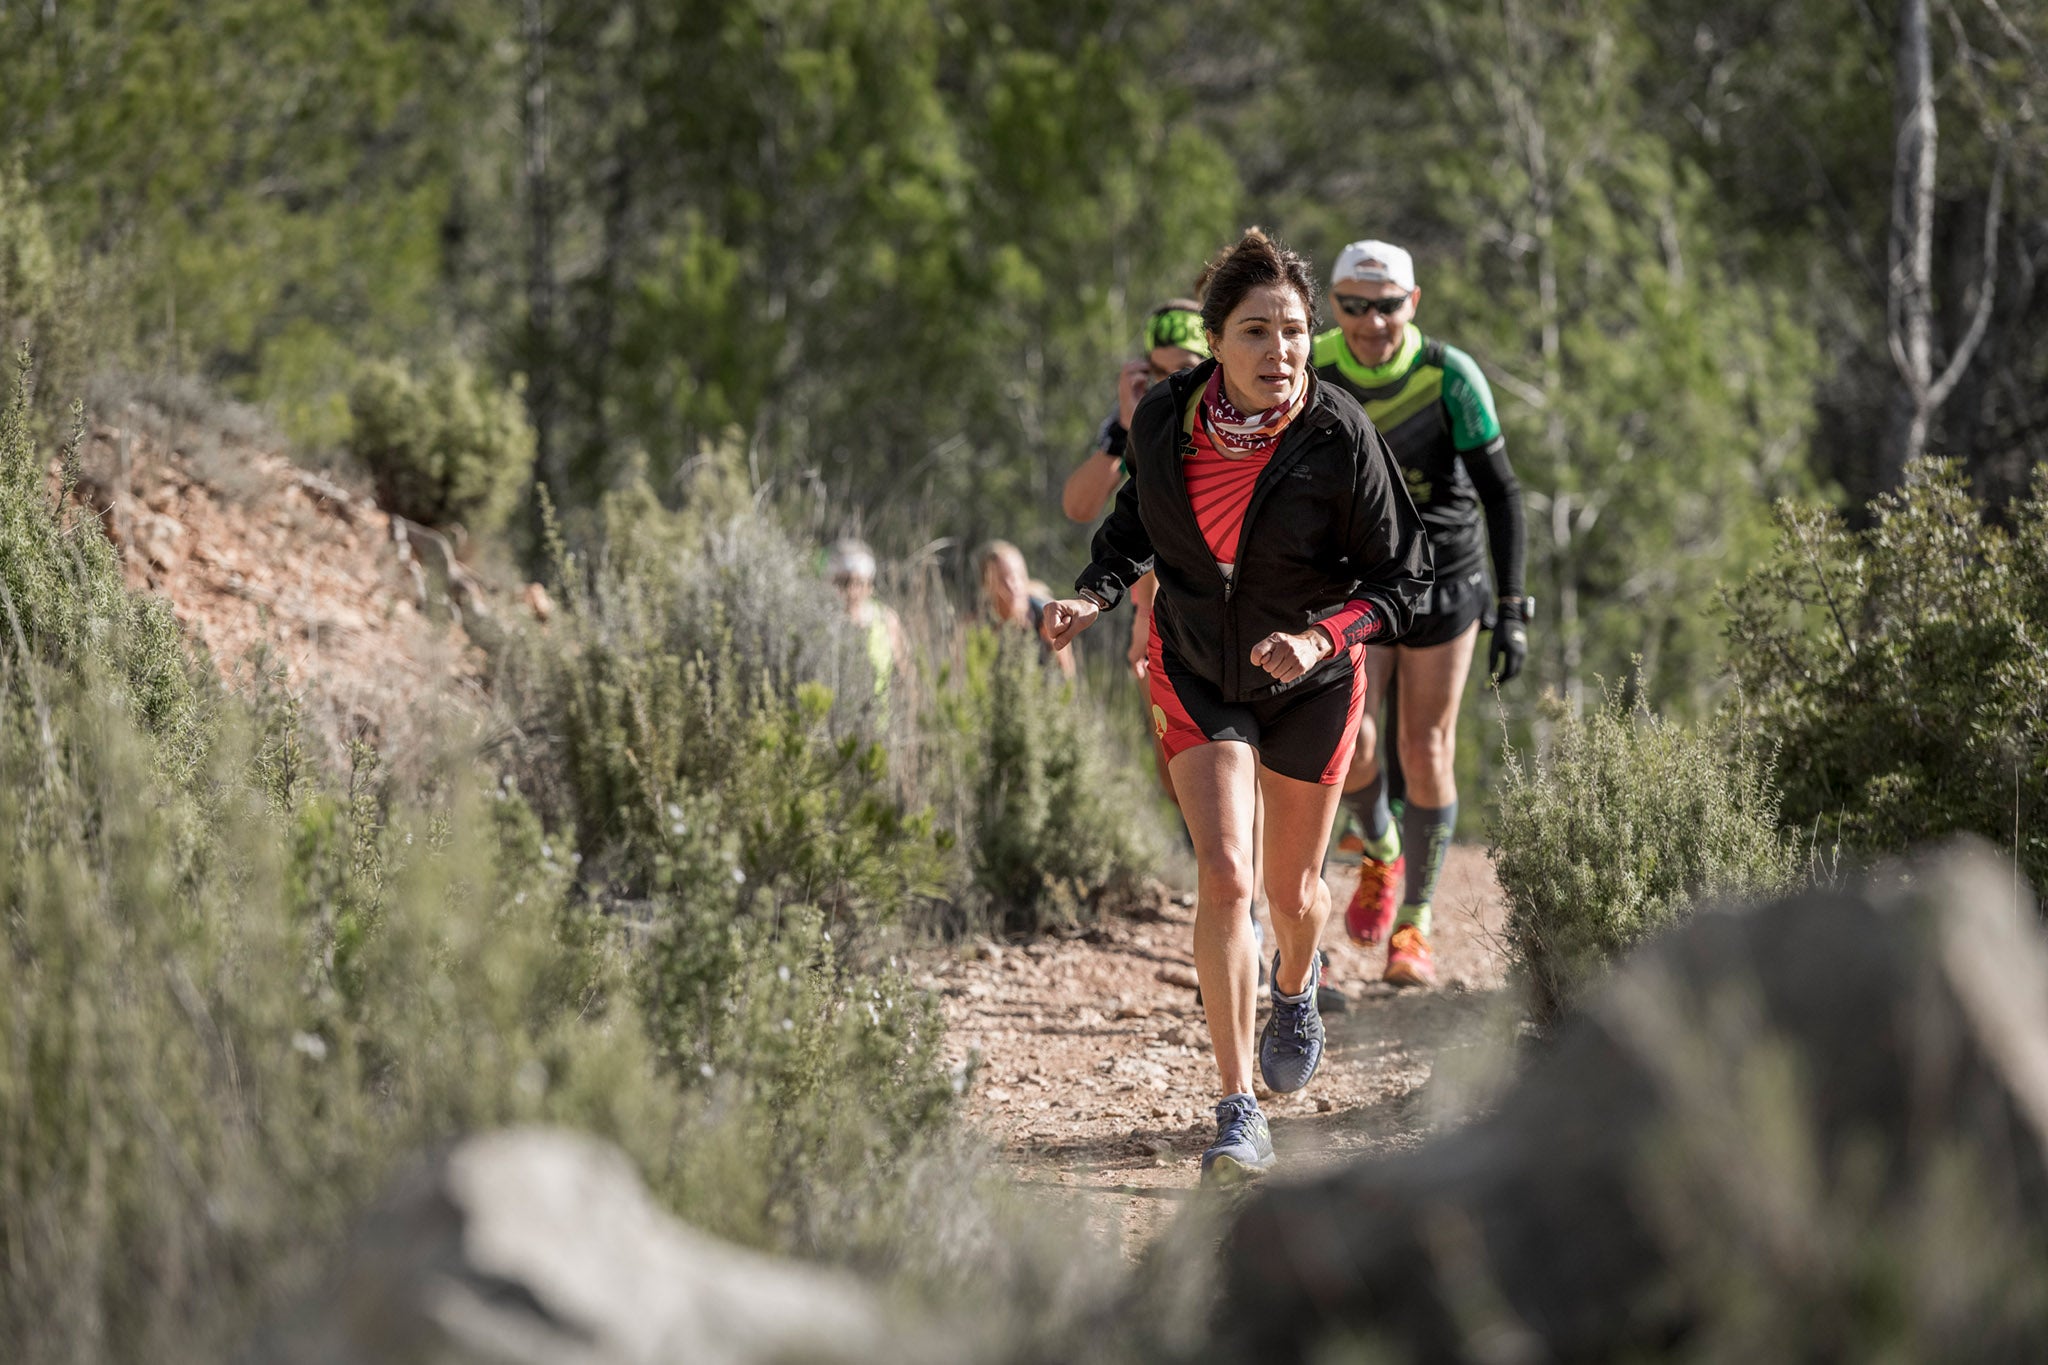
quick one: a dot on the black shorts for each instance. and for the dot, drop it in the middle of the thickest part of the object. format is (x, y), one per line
(1306, 733)
(1454, 604)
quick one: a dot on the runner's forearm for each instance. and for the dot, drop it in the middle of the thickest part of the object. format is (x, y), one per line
(1092, 484)
(1500, 494)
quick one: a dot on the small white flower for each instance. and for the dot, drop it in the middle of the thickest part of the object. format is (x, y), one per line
(675, 812)
(788, 1025)
(738, 877)
(677, 828)
(782, 973)
(547, 850)
(310, 1044)
(706, 1070)
(408, 838)
(519, 899)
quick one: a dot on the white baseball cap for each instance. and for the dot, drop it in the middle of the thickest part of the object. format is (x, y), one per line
(850, 558)
(1374, 260)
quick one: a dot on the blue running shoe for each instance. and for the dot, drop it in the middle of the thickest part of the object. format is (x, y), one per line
(1243, 1148)
(1291, 1044)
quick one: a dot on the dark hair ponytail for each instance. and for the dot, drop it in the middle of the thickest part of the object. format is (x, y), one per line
(1251, 262)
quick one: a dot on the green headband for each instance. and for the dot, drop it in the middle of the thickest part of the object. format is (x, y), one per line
(1180, 327)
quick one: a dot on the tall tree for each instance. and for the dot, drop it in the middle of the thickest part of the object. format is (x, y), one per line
(1654, 398)
(1910, 313)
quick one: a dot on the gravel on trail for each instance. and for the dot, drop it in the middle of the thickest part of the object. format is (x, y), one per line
(1093, 1075)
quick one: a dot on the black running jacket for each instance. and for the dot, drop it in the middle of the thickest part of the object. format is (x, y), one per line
(1330, 520)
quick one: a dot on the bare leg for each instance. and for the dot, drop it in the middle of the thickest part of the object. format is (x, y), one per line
(1298, 816)
(1432, 685)
(1218, 785)
(1258, 850)
(1380, 662)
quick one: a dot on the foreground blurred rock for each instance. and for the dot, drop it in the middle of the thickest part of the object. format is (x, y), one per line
(1813, 1130)
(538, 1246)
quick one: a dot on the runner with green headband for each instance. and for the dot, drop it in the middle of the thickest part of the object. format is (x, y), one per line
(1173, 342)
(1432, 404)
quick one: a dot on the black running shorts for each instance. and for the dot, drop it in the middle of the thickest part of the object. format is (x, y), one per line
(1453, 605)
(1306, 733)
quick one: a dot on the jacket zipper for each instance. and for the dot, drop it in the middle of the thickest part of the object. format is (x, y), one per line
(1296, 432)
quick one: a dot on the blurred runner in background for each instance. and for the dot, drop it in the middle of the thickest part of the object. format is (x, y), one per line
(1012, 597)
(850, 564)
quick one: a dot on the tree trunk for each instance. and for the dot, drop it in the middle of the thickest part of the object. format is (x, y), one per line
(540, 266)
(1909, 307)
(1909, 313)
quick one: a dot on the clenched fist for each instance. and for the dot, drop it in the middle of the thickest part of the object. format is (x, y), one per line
(1065, 619)
(1287, 657)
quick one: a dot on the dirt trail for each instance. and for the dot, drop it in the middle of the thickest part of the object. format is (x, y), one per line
(1095, 1072)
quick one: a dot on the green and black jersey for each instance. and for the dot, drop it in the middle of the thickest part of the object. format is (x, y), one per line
(1433, 405)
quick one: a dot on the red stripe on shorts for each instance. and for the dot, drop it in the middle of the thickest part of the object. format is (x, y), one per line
(1340, 762)
(1172, 726)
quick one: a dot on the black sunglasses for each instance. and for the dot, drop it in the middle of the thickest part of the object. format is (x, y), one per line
(1358, 307)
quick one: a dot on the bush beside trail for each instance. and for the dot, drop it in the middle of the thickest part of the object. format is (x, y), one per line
(443, 444)
(238, 987)
(62, 598)
(1617, 832)
(1890, 686)
(1058, 817)
(1901, 671)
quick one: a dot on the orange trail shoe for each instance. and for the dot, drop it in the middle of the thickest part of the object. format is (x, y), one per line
(1371, 912)
(1409, 961)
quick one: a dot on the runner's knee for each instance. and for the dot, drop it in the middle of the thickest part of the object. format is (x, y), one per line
(1428, 749)
(1227, 876)
(1296, 900)
(1365, 757)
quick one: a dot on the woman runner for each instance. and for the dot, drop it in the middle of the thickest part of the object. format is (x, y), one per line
(1433, 406)
(1282, 539)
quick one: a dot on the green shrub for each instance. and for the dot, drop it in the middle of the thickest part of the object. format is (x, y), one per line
(40, 305)
(443, 445)
(693, 684)
(1901, 670)
(743, 824)
(1052, 812)
(1625, 824)
(236, 993)
(63, 599)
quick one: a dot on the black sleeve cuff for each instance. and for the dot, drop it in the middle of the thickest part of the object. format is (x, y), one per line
(1100, 582)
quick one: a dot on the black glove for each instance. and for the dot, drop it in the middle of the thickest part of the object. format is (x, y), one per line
(1510, 640)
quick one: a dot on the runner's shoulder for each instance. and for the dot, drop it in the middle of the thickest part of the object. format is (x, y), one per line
(1460, 368)
(1328, 348)
(1474, 419)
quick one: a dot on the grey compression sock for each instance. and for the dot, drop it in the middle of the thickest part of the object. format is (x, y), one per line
(1426, 831)
(1369, 804)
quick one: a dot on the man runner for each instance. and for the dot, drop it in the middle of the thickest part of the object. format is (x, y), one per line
(1433, 405)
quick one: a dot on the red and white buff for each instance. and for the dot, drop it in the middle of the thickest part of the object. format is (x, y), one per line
(1239, 434)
